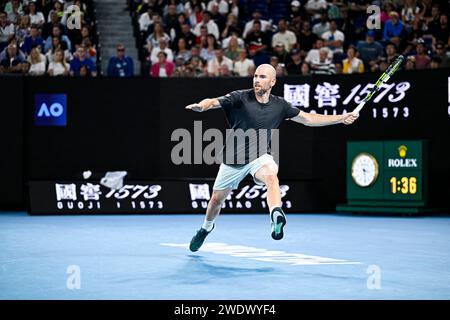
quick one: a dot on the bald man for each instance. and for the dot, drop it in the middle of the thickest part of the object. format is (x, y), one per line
(259, 110)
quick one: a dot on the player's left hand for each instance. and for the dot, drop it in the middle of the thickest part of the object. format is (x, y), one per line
(349, 118)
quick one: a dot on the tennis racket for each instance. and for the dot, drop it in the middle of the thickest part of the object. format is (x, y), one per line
(383, 79)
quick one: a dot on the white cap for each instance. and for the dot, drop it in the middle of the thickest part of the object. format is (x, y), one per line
(295, 3)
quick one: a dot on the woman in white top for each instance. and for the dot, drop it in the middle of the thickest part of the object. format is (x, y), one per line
(36, 17)
(158, 33)
(57, 45)
(58, 67)
(23, 29)
(37, 63)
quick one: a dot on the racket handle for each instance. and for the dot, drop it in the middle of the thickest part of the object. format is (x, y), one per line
(359, 107)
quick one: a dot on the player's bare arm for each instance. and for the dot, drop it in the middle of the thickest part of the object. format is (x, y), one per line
(204, 105)
(319, 120)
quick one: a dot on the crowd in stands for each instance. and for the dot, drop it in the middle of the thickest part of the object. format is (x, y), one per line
(45, 37)
(212, 38)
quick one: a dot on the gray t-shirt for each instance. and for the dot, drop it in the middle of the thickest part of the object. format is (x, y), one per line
(252, 123)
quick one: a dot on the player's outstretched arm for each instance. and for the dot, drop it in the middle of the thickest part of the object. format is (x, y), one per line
(319, 120)
(204, 105)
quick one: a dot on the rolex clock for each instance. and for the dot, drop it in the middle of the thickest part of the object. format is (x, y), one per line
(364, 169)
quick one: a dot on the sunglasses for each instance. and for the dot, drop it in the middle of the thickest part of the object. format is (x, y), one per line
(120, 49)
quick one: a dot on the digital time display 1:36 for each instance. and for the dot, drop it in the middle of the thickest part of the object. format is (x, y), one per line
(403, 185)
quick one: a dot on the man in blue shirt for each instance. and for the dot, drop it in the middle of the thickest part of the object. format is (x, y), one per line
(370, 50)
(33, 40)
(82, 61)
(393, 29)
(120, 65)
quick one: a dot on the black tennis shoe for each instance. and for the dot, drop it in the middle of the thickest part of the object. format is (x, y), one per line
(199, 238)
(278, 222)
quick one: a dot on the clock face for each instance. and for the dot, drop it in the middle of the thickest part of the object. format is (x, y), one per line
(364, 170)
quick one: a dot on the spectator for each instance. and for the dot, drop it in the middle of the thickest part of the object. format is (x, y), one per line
(170, 19)
(219, 60)
(315, 8)
(282, 54)
(57, 45)
(294, 67)
(226, 41)
(56, 32)
(195, 67)
(391, 53)
(58, 67)
(154, 56)
(217, 17)
(421, 57)
(7, 30)
(23, 29)
(409, 13)
(48, 27)
(145, 20)
(410, 63)
(322, 26)
(435, 63)
(323, 65)
(14, 10)
(153, 40)
(264, 24)
(352, 64)
(163, 68)
(183, 53)
(306, 69)
(37, 63)
(334, 39)
(224, 71)
(232, 51)
(196, 14)
(242, 65)
(13, 61)
(280, 70)
(208, 52)
(187, 35)
(393, 29)
(58, 8)
(231, 27)
(442, 32)
(181, 69)
(236, 9)
(441, 53)
(257, 39)
(284, 36)
(36, 17)
(33, 40)
(121, 65)
(313, 54)
(210, 25)
(81, 60)
(338, 67)
(202, 38)
(307, 38)
(274, 61)
(370, 50)
(222, 6)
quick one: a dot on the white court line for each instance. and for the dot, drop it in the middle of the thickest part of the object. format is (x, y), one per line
(263, 254)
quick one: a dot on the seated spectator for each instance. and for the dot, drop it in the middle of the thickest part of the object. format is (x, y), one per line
(90, 49)
(201, 40)
(121, 65)
(410, 63)
(163, 68)
(231, 27)
(14, 10)
(55, 21)
(323, 65)
(217, 17)
(7, 30)
(422, 59)
(370, 50)
(435, 63)
(294, 67)
(409, 13)
(187, 35)
(264, 24)
(154, 58)
(313, 54)
(195, 67)
(215, 63)
(258, 57)
(33, 40)
(338, 68)
(13, 61)
(240, 41)
(146, 19)
(23, 29)
(56, 32)
(58, 67)
(390, 53)
(232, 51)
(352, 64)
(334, 39)
(442, 54)
(224, 71)
(393, 29)
(153, 40)
(280, 70)
(442, 32)
(242, 65)
(181, 69)
(222, 6)
(81, 60)
(183, 51)
(36, 17)
(58, 8)
(306, 69)
(282, 54)
(210, 25)
(208, 52)
(316, 7)
(37, 63)
(196, 13)
(170, 18)
(307, 38)
(322, 26)
(57, 45)
(274, 61)
(284, 36)
(257, 39)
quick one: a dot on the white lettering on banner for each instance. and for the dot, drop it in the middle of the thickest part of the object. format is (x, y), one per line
(66, 191)
(90, 191)
(402, 163)
(78, 205)
(265, 255)
(199, 191)
(55, 110)
(327, 94)
(297, 95)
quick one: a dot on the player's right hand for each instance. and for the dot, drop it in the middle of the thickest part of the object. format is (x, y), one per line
(194, 107)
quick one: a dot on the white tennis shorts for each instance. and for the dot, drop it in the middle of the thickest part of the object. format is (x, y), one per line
(230, 177)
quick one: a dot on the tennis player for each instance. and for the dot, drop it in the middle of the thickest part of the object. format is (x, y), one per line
(254, 109)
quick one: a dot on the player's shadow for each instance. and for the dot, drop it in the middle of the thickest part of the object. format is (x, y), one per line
(199, 270)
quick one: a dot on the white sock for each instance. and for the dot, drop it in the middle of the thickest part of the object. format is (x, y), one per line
(208, 225)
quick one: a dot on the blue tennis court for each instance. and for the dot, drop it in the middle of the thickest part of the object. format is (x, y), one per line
(325, 256)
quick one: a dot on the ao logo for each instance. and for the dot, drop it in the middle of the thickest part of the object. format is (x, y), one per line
(55, 110)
